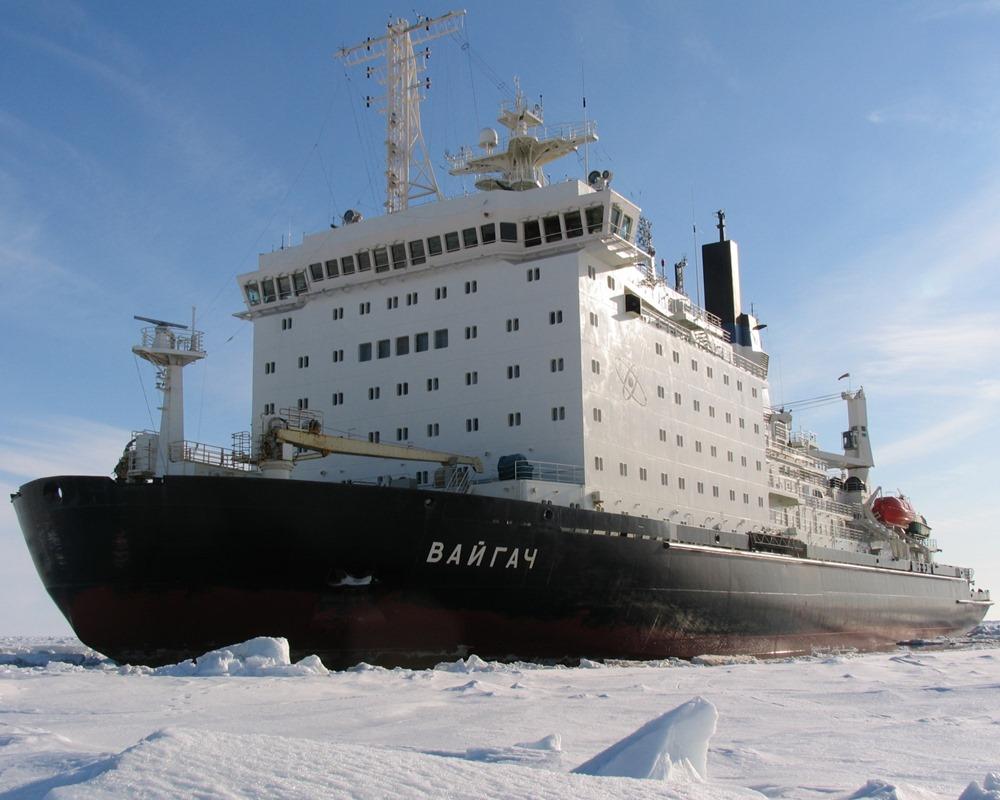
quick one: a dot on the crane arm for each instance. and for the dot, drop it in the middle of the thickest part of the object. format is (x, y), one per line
(325, 444)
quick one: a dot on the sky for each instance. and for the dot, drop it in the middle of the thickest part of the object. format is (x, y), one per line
(148, 153)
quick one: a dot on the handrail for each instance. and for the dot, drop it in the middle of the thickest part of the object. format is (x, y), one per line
(548, 471)
(211, 455)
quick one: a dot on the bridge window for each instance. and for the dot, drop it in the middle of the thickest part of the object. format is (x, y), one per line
(532, 233)
(595, 219)
(268, 286)
(381, 259)
(417, 252)
(553, 230)
(398, 256)
(508, 232)
(574, 224)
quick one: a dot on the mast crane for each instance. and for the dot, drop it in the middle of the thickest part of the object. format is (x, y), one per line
(408, 171)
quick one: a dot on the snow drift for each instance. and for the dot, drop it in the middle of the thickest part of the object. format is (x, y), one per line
(264, 656)
(673, 746)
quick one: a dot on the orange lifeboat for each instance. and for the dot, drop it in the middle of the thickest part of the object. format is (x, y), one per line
(894, 511)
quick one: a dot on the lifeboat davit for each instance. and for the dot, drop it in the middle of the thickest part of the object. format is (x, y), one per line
(894, 511)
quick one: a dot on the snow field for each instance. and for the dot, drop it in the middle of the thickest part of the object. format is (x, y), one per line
(910, 725)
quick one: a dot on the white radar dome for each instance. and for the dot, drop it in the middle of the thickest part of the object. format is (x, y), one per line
(488, 138)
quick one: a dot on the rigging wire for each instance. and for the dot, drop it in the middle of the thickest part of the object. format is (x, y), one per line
(818, 398)
(365, 142)
(334, 205)
(484, 67)
(467, 47)
(142, 386)
(280, 204)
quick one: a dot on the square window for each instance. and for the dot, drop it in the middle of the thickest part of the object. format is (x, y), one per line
(331, 268)
(488, 233)
(469, 238)
(402, 345)
(347, 265)
(508, 232)
(383, 348)
(316, 271)
(420, 342)
(365, 351)
(364, 261)
(440, 339)
(451, 241)
(433, 245)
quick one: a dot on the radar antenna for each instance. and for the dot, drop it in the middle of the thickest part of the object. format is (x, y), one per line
(160, 323)
(408, 171)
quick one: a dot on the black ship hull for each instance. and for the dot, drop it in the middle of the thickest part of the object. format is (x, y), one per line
(157, 572)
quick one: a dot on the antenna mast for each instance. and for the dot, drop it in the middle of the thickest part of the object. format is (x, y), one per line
(408, 171)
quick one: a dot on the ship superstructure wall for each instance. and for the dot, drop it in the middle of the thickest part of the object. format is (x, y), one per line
(502, 348)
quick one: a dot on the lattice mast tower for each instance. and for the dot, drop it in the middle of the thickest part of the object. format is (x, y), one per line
(408, 171)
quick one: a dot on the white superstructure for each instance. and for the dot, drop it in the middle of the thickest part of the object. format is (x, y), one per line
(500, 324)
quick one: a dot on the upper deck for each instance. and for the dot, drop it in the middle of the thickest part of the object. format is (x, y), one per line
(511, 226)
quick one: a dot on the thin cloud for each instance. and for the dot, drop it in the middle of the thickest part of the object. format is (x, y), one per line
(210, 156)
(969, 8)
(61, 446)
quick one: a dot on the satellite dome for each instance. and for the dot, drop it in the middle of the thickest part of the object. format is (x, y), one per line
(488, 138)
